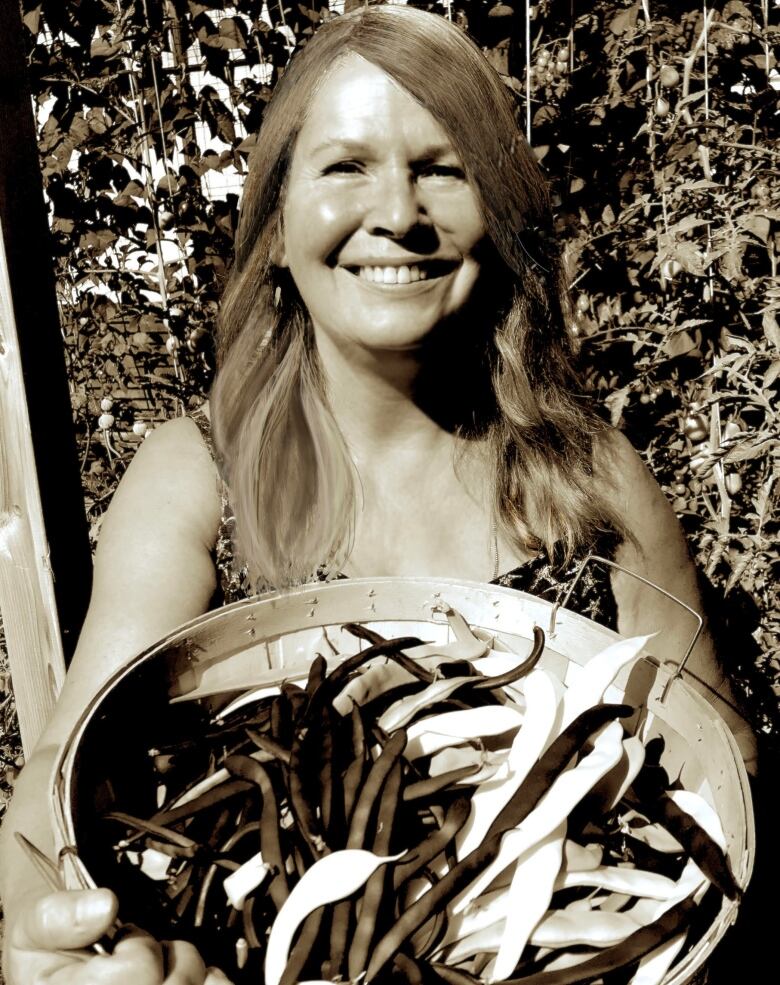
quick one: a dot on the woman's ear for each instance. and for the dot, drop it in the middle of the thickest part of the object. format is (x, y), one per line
(278, 252)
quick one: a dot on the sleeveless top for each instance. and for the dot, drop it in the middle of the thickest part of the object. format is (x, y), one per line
(592, 595)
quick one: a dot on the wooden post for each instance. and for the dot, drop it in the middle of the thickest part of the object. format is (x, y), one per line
(27, 600)
(37, 439)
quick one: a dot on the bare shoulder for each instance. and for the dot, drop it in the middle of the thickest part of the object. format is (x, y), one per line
(171, 476)
(153, 565)
(657, 550)
(636, 496)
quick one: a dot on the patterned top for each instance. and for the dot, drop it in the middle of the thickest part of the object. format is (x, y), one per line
(592, 595)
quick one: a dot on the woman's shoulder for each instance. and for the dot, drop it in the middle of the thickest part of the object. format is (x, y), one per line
(624, 479)
(172, 479)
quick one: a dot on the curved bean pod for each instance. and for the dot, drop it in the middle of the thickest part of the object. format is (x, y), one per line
(501, 680)
(248, 769)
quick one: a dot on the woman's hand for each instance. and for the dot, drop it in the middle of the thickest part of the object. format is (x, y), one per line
(49, 942)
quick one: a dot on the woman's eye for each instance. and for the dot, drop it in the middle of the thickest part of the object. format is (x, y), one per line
(443, 171)
(343, 167)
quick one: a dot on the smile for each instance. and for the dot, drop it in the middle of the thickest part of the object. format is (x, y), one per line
(403, 273)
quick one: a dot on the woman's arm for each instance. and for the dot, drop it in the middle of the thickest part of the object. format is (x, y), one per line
(153, 571)
(659, 553)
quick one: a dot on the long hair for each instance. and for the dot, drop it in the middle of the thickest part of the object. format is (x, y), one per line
(292, 482)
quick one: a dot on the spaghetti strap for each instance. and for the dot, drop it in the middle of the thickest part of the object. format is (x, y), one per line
(233, 583)
(203, 424)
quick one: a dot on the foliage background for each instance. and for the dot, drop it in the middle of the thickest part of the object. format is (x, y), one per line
(657, 124)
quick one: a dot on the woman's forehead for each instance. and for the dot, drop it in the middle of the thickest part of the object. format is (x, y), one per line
(359, 103)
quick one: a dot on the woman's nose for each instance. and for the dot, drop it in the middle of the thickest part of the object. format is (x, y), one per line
(395, 207)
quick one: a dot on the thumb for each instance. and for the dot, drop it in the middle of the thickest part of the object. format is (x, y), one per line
(215, 976)
(65, 920)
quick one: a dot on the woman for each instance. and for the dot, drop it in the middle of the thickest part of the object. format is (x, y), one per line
(395, 397)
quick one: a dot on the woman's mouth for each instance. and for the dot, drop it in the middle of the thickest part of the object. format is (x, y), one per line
(403, 273)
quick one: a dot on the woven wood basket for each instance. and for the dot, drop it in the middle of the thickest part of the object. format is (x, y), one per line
(175, 684)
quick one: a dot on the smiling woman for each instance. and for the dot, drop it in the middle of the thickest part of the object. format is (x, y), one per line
(395, 396)
(396, 238)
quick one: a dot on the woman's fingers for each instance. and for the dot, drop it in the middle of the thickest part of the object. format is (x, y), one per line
(137, 959)
(215, 976)
(64, 920)
(184, 964)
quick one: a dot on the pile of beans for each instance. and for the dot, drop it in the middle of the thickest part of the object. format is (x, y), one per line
(328, 832)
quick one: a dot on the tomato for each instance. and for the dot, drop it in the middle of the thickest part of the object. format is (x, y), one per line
(583, 303)
(731, 431)
(733, 483)
(172, 344)
(696, 428)
(661, 107)
(669, 77)
(106, 404)
(195, 339)
(139, 427)
(670, 269)
(105, 421)
(761, 191)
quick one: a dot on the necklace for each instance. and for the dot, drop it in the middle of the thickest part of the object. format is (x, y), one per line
(495, 548)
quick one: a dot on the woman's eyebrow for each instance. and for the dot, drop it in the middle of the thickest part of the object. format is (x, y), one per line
(357, 148)
(342, 144)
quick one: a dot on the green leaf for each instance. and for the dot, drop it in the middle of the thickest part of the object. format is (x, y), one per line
(625, 20)
(758, 225)
(679, 344)
(771, 329)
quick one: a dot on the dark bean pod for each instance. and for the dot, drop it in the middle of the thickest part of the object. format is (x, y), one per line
(516, 673)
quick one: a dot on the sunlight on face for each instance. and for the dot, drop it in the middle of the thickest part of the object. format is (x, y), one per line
(380, 223)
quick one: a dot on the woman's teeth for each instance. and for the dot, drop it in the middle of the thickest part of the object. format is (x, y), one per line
(392, 275)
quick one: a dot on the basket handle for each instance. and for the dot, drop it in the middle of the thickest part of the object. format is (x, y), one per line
(680, 667)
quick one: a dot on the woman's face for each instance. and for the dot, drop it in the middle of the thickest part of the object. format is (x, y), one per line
(381, 228)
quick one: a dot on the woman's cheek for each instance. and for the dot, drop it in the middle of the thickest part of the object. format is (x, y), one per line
(327, 218)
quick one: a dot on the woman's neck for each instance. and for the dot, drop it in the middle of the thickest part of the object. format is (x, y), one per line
(371, 394)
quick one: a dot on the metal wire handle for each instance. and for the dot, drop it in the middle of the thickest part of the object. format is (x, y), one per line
(680, 667)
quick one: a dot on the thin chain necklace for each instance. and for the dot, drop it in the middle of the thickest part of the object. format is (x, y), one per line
(495, 548)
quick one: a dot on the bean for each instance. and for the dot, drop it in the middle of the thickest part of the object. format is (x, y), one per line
(363, 632)
(275, 749)
(372, 896)
(628, 952)
(434, 784)
(317, 672)
(373, 786)
(248, 769)
(540, 777)
(247, 914)
(456, 879)
(353, 782)
(300, 802)
(359, 818)
(281, 719)
(409, 969)
(454, 976)
(186, 846)
(325, 751)
(230, 843)
(303, 947)
(417, 858)
(707, 854)
(206, 800)
(501, 680)
(387, 648)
